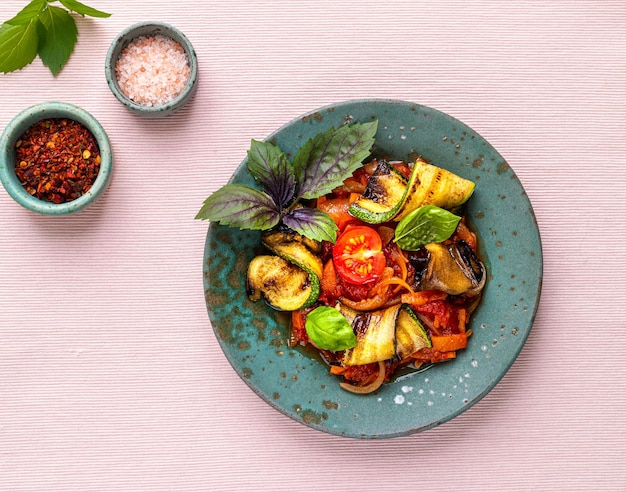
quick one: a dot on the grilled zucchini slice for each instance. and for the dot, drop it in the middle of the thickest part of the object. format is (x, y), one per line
(289, 279)
(375, 334)
(411, 335)
(297, 249)
(432, 185)
(285, 286)
(383, 195)
(384, 334)
(389, 196)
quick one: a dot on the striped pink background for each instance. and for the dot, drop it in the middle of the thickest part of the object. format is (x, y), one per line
(110, 376)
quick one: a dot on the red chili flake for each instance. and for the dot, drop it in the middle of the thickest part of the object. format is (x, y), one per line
(58, 160)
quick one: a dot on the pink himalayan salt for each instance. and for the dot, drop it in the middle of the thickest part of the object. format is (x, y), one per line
(152, 70)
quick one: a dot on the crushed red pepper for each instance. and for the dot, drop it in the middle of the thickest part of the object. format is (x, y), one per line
(57, 160)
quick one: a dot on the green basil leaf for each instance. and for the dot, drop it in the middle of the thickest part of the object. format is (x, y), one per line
(326, 160)
(271, 168)
(424, 225)
(41, 29)
(18, 45)
(328, 329)
(58, 39)
(28, 13)
(240, 206)
(83, 9)
(312, 223)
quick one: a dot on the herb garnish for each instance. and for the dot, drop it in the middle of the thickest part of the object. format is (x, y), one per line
(44, 30)
(319, 166)
(328, 329)
(424, 225)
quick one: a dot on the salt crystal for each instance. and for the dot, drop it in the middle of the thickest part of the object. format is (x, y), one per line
(152, 70)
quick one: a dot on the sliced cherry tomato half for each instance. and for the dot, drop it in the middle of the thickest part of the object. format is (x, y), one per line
(358, 255)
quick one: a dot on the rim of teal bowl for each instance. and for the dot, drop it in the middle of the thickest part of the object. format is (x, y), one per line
(123, 39)
(16, 128)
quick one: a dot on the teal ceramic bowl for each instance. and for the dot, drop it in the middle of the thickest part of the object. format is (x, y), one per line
(16, 128)
(254, 337)
(127, 36)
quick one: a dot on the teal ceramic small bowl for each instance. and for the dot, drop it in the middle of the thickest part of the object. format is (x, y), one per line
(18, 126)
(126, 37)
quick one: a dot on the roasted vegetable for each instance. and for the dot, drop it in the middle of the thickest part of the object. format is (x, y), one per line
(411, 335)
(389, 195)
(291, 279)
(383, 195)
(384, 334)
(453, 269)
(376, 333)
(284, 285)
(432, 185)
(296, 248)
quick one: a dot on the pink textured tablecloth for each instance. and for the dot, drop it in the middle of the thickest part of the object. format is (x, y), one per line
(111, 378)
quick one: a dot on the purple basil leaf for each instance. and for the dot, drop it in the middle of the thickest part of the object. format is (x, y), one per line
(312, 223)
(271, 168)
(325, 161)
(240, 206)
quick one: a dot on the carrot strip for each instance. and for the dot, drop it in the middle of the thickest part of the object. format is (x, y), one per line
(329, 278)
(449, 343)
(430, 355)
(401, 261)
(422, 297)
(353, 197)
(462, 320)
(298, 333)
(337, 370)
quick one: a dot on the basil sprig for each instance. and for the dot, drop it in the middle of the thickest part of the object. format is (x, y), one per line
(44, 30)
(424, 225)
(319, 166)
(328, 329)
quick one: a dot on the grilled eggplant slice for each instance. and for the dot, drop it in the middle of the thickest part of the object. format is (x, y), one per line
(453, 269)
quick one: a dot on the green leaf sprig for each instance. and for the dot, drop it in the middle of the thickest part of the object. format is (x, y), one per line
(424, 225)
(319, 166)
(328, 329)
(42, 29)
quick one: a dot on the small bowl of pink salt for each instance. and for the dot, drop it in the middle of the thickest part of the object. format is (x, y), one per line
(152, 69)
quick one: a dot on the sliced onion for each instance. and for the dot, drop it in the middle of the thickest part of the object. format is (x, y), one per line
(368, 388)
(398, 282)
(369, 304)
